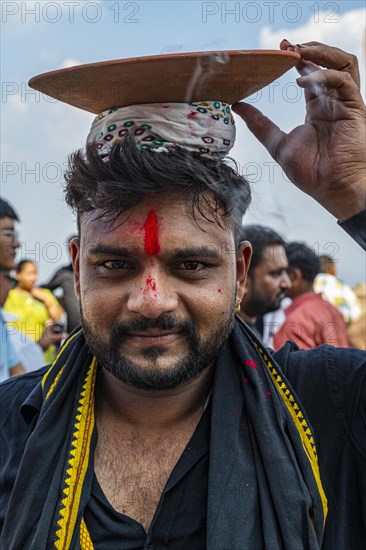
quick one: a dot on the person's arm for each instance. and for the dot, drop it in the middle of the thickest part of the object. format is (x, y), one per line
(356, 228)
(49, 337)
(9, 353)
(55, 311)
(325, 156)
(300, 333)
(16, 370)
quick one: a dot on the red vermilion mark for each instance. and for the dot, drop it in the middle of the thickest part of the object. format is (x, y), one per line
(150, 283)
(219, 290)
(151, 238)
(266, 394)
(251, 363)
(150, 287)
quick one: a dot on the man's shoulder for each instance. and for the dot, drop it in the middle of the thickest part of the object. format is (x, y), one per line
(304, 305)
(15, 390)
(324, 363)
(330, 309)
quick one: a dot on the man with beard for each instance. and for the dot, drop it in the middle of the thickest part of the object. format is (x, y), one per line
(267, 280)
(10, 364)
(164, 423)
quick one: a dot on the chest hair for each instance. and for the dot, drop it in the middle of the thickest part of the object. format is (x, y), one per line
(133, 468)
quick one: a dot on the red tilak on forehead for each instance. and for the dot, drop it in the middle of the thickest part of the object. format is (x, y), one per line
(151, 238)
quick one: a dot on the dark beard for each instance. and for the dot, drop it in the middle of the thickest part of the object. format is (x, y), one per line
(257, 305)
(200, 355)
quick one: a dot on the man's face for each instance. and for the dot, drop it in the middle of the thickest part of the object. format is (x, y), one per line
(8, 243)
(28, 276)
(157, 291)
(267, 285)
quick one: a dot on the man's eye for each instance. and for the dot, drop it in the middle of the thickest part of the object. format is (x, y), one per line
(115, 264)
(193, 266)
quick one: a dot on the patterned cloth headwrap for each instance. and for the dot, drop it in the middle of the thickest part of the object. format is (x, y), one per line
(206, 127)
(54, 480)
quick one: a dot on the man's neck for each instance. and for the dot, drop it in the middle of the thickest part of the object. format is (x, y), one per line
(250, 320)
(152, 410)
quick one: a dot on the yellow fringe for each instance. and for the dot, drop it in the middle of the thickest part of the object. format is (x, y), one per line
(302, 427)
(78, 462)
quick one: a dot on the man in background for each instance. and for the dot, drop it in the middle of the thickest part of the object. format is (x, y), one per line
(9, 362)
(310, 320)
(267, 281)
(335, 291)
(19, 354)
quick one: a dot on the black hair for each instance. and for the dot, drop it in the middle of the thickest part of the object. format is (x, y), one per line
(22, 263)
(300, 256)
(325, 263)
(7, 211)
(129, 174)
(260, 237)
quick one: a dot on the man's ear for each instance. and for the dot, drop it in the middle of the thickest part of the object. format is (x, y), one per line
(295, 276)
(74, 249)
(243, 258)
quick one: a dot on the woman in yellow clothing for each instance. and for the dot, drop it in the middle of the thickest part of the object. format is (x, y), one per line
(34, 307)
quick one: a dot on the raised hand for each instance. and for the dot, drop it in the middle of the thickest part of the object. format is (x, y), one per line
(326, 156)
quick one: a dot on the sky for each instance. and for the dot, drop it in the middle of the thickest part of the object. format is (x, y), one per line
(38, 133)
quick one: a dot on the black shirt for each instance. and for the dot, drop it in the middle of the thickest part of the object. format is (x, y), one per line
(180, 518)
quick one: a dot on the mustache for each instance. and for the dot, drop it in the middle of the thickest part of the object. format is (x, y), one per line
(161, 323)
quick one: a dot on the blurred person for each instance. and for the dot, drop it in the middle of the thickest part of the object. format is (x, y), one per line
(310, 320)
(34, 307)
(9, 242)
(10, 360)
(10, 364)
(335, 291)
(63, 279)
(357, 330)
(31, 353)
(360, 291)
(270, 322)
(267, 280)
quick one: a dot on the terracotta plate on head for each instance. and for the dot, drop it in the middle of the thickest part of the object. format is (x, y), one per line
(227, 76)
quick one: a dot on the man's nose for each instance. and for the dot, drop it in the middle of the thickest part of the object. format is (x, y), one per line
(286, 281)
(151, 295)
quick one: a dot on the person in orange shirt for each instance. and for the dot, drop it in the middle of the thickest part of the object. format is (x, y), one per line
(310, 320)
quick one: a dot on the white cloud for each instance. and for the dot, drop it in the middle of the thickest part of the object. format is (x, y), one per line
(69, 62)
(333, 33)
(347, 33)
(49, 56)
